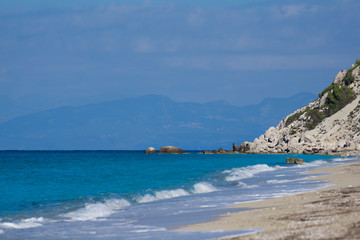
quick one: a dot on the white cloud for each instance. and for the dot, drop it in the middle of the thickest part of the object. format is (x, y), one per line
(196, 18)
(254, 62)
(292, 10)
(143, 45)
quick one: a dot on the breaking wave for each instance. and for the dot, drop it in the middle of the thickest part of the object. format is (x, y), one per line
(24, 223)
(165, 194)
(93, 211)
(246, 172)
(202, 187)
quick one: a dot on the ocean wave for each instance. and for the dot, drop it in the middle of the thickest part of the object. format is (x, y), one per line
(204, 187)
(165, 194)
(1, 231)
(246, 172)
(24, 223)
(93, 211)
(311, 164)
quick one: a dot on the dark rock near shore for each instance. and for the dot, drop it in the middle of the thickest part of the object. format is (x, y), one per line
(295, 160)
(236, 148)
(171, 149)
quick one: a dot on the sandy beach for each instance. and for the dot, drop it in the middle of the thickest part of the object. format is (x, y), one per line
(332, 212)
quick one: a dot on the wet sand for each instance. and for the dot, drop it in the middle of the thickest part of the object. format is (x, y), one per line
(328, 213)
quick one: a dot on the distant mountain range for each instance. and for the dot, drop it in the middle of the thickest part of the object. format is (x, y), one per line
(151, 120)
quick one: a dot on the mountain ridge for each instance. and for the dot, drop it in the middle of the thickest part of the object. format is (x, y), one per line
(137, 123)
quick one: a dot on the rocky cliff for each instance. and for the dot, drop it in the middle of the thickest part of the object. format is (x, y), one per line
(328, 125)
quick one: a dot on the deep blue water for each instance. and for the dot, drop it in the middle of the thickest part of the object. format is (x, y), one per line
(45, 192)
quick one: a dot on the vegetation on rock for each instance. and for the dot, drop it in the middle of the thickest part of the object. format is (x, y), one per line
(293, 117)
(338, 96)
(315, 116)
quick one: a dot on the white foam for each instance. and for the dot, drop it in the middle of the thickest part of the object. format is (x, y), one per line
(208, 206)
(204, 187)
(165, 194)
(285, 180)
(25, 223)
(244, 185)
(344, 159)
(94, 211)
(246, 172)
(149, 230)
(312, 164)
(1, 231)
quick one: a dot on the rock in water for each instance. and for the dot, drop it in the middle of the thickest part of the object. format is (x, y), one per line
(235, 147)
(150, 150)
(295, 160)
(170, 149)
(208, 152)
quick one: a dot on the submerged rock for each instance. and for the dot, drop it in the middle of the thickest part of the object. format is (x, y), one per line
(295, 160)
(171, 149)
(150, 150)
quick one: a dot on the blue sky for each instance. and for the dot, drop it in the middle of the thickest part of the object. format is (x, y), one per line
(56, 53)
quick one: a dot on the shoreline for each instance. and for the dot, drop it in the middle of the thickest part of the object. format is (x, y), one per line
(332, 211)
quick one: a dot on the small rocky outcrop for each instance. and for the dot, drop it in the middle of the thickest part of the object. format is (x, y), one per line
(150, 150)
(208, 152)
(245, 147)
(294, 160)
(171, 149)
(219, 151)
(328, 125)
(236, 148)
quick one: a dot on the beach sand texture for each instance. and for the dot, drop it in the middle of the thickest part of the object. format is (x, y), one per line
(329, 213)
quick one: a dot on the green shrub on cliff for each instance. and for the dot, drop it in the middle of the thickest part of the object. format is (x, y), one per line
(347, 80)
(328, 89)
(315, 117)
(338, 98)
(293, 117)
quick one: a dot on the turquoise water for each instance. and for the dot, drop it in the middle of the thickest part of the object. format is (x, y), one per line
(43, 190)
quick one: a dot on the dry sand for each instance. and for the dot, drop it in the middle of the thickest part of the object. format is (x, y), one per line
(328, 213)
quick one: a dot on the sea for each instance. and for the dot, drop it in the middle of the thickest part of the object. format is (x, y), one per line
(133, 195)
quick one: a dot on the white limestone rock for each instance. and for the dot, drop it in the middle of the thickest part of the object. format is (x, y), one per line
(336, 134)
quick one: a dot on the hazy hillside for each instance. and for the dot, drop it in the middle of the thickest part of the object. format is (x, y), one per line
(151, 120)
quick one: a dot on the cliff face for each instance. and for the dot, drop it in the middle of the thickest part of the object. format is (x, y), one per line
(328, 125)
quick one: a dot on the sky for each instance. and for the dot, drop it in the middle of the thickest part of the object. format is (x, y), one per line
(68, 52)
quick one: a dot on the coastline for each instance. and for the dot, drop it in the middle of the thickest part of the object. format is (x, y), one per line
(329, 212)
